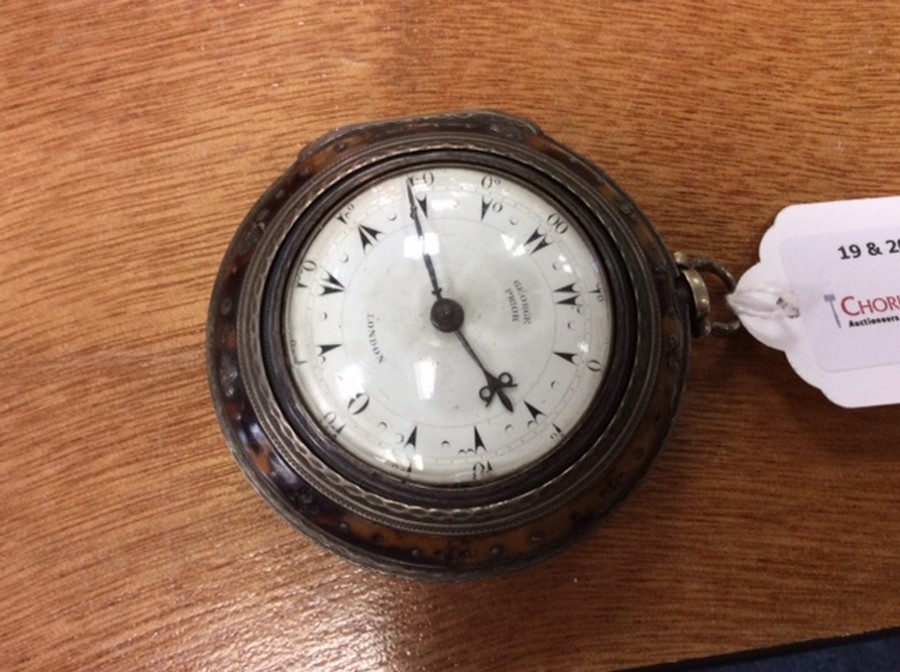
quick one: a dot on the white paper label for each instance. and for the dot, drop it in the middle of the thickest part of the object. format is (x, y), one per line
(837, 267)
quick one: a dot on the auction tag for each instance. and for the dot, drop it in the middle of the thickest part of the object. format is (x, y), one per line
(827, 292)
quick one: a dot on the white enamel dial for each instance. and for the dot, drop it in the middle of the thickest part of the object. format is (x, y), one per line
(500, 377)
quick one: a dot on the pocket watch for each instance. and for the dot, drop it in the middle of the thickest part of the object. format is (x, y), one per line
(447, 347)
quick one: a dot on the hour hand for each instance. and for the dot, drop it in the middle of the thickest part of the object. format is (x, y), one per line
(496, 385)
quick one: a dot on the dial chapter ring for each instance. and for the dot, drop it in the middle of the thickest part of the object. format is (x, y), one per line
(493, 503)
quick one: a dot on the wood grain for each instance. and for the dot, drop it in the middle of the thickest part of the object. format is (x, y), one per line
(136, 136)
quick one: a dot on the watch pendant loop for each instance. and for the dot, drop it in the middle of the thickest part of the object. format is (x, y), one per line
(701, 324)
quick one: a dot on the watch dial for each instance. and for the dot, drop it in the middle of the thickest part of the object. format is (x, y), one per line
(448, 325)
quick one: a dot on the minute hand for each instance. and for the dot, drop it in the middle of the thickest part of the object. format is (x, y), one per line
(429, 264)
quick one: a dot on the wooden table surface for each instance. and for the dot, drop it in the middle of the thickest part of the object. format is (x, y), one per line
(136, 136)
